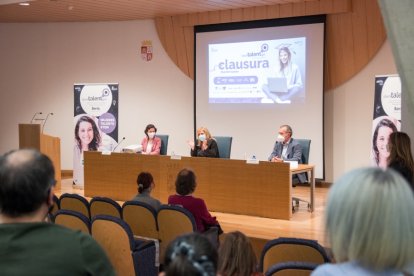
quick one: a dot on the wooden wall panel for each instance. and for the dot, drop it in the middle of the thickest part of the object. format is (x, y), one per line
(189, 44)
(260, 13)
(312, 7)
(180, 45)
(237, 15)
(375, 26)
(225, 16)
(352, 40)
(354, 33)
(286, 10)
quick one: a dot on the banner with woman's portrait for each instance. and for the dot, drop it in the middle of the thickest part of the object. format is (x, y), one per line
(95, 122)
(387, 116)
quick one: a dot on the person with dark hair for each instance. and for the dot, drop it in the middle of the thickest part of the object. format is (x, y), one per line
(401, 158)
(146, 184)
(185, 185)
(29, 245)
(287, 149)
(87, 134)
(380, 141)
(190, 255)
(87, 138)
(236, 256)
(151, 144)
(205, 146)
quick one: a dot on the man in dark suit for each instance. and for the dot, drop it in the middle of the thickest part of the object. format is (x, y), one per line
(287, 149)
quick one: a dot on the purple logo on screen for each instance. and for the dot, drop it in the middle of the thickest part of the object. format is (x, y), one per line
(107, 123)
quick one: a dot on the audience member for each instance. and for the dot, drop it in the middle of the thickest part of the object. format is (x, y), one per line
(236, 256)
(28, 245)
(151, 144)
(146, 184)
(401, 159)
(380, 141)
(287, 149)
(190, 255)
(205, 145)
(185, 185)
(369, 223)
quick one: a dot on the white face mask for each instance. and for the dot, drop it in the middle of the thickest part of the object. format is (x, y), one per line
(280, 138)
(151, 135)
(202, 137)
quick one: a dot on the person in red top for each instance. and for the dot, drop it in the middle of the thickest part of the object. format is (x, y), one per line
(185, 185)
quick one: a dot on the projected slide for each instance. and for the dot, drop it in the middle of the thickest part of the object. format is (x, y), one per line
(266, 71)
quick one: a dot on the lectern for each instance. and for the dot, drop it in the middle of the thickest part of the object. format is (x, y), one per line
(31, 136)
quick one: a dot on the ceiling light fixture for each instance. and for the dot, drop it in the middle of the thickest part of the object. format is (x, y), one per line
(24, 4)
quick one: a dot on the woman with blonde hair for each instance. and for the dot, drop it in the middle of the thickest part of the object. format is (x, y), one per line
(236, 256)
(205, 145)
(369, 224)
(401, 159)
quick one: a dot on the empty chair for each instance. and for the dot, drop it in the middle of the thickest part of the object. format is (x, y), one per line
(164, 143)
(142, 218)
(127, 255)
(173, 221)
(291, 249)
(305, 143)
(224, 145)
(291, 268)
(73, 220)
(76, 203)
(104, 206)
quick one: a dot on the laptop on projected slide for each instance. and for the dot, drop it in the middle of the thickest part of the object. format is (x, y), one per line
(277, 85)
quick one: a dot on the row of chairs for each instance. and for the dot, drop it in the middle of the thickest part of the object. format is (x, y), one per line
(143, 221)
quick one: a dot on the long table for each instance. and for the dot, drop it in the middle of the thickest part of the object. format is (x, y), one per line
(226, 185)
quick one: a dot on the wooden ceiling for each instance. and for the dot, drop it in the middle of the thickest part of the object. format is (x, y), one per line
(116, 10)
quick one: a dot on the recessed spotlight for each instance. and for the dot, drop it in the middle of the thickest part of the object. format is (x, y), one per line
(24, 4)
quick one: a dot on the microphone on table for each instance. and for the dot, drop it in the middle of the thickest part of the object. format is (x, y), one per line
(34, 116)
(123, 138)
(44, 122)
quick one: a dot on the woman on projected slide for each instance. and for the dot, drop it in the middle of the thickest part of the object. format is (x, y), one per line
(290, 74)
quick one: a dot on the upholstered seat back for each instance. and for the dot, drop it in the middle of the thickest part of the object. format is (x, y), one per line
(224, 145)
(105, 206)
(76, 203)
(173, 221)
(142, 218)
(73, 220)
(291, 249)
(164, 143)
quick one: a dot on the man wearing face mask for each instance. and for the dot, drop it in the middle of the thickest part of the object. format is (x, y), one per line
(151, 144)
(287, 149)
(205, 145)
(28, 244)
